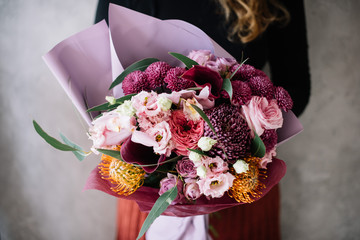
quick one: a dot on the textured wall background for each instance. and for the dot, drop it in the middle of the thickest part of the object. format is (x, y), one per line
(40, 190)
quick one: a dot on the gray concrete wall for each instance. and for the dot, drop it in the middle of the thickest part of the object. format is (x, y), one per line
(40, 190)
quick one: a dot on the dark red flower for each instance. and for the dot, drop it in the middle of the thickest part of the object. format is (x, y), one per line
(203, 76)
(135, 82)
(174, 80)
(137, 153)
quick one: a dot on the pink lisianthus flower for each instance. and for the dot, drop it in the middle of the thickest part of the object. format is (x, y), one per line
(216, 186)
(189, 111)
(221, 65)
(185, 133)
(262, 114)
(169, 182)
(214, 166)
(111, 129)
(162, 135)
(267, 158)
(191, 189)
(201, 56)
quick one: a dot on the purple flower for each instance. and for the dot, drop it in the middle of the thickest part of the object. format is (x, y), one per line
(174, 80)
(186, 168)
(156, 73)
(135, 82)
(262, 86)
(241, 93)
(169, 182)
(283, 99)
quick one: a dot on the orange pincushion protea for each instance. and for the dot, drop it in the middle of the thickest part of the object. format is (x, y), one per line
(127, 177)
(247, 185)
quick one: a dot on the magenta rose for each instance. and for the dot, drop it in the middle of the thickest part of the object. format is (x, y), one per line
(186, 168)
(185, 134)
(262, 114)
(203, 76)
(169, 182)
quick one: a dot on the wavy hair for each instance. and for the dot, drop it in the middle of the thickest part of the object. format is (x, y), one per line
(247, 19)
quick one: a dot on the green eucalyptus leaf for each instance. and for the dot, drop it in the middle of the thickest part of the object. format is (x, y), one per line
(159, 207)
(189, 63)
(80, 153)
(228, 87)
(111, 153)
(203, 116)
(52, 141)
(257, 147)
(139, 65)
(233, 74)
(197, 151)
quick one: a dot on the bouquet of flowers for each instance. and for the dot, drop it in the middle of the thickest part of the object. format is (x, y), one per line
(187, 137)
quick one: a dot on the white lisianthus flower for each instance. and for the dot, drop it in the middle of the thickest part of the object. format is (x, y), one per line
(206, 143)
(195, 157)
(110, 99)
(241, 166)
(201, 171)
(126, 109)
(164, 103)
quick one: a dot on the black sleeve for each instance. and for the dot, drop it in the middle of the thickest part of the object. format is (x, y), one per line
(288, 56)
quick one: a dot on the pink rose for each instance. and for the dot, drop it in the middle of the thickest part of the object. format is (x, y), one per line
(261, 114)
(185, 134)
(215, 187)
(169, 182)
(201, 56)
(191, 189)
(186, 168)
(214, 166)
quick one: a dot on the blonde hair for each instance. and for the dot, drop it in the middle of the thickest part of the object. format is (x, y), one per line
(247, 19)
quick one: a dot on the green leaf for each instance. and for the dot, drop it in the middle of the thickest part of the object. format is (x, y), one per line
(228, 87)
(107, 106)
(189, 63)
(140, 65)
(257, 147)
(159, 207)
(233, 74)
(203, 115)
(197, 151)
(80, 153)
(52, 141)
(111, 153)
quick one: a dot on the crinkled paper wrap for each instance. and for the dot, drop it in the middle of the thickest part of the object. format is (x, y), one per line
(85, 65)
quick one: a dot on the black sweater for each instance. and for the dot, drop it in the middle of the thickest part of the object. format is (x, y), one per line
(285, 48)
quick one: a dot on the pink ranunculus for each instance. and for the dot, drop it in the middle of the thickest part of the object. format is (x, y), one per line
(261, 114)
(214, 166)
(185, 134)
(216, 186)
(191, 189)
(267, 158)
(201, 56)
(169, 182)
(162, 135)
(186, 168)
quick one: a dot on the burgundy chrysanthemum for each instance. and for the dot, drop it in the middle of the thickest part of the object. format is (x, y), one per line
(245, 72)
(241, 93)
(135, 82)
(283, 99)
(174, 80)
(262, 86)
(269, 137)
(232, 132)
(156, 73)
